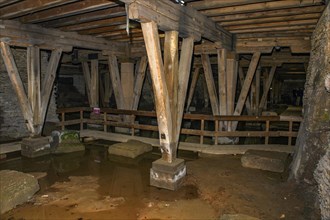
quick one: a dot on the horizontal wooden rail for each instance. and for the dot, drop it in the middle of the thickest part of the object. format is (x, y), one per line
(114, 118)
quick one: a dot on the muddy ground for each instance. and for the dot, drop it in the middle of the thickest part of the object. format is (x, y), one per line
(93, 185)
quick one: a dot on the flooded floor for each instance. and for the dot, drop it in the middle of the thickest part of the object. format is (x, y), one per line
(93, 185)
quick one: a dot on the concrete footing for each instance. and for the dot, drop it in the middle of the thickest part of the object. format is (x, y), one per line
(35, 147)
(167, 175)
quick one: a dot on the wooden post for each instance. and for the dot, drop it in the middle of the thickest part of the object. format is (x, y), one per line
(246, 86)
(264, 85)
(17, 85)
(210, 84)
(241, 78)
(115, 79)
(267, 87)
(94, 86)
(81, 119)
(258, 74)
(107, 89)
(162, 102)
(87, 77)
(267, 130)
(192, 87)
(290, 135)
(127, 83)
(231, 76)
(139, 78)
(222, 81)
(202, 129)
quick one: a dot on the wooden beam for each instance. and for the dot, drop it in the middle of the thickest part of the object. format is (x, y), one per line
(231, 72)
(127, 82)
(139, 78)
(266, 89)
(28, 7)
(162, 103)
(116, 82)
(67, 10)
(192, 87)
(246, 87)
(15, 33)
(204, 5)
(17, 85)
(171, 16)
(210, 84)
(258, 75)
(107, 89)
(222, 80)
(183, 78)
(94, 85)
(241, 78)
(48, 83)
(87, 77)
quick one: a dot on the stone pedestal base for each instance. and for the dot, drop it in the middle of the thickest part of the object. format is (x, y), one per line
(167, 175)
(35, 147)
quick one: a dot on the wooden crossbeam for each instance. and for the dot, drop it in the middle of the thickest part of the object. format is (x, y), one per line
(15, 33)
(246, 87)
(210, 84)
(139, 78)
(162, 102)
(186, 20)
(267, 87)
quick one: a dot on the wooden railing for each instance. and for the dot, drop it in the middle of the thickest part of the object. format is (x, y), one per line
(108, 117)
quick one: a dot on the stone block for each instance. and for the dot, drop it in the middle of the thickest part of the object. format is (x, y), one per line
(265, 160)
(131, 149)
(167, 175)
(35, 147)
(66, 142)
(16, 188)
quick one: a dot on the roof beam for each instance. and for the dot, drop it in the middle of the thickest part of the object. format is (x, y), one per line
(67, 10)
(186, 20)
(15, 33)
(200, 5)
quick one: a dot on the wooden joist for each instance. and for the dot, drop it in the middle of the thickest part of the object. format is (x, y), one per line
(15, 33)
(170, 16)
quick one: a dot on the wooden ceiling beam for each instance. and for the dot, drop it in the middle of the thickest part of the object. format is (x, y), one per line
(293, 33)
(15, 33)
(186, 20)
(202, 5)
(258, 7)
(100, 30)
(271, 19)
(110, 12)
(95, 24)
(7, 2)
(29, 6)
(67, 10)
(119, 33)
(267, 14)
(274, 29)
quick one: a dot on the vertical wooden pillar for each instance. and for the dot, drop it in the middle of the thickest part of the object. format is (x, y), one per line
(241, 78)
(231, 73)
(258, 74)
(107, 89)
(139, 78)
(222, 80)
(192, 87)
(94, 90)
(127, 83)
(115, 79)
(263, 100)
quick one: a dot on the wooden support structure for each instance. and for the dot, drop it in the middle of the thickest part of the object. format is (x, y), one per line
(222, 80)
(210, 84)
(258, 76)
(267, 87)
(107, 89)
(139, 79)
(127, 83)
(241, 78)
(192, 87)
(91, 76)
(246, 86)
(115, 79)
(34, 104)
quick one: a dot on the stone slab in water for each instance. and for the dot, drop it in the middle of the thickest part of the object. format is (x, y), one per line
(16, 188)
(264, 160)
(131, 149)
(237, 217)
(66, 142)
(35, 147)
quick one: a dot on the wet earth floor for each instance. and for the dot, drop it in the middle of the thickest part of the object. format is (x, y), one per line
(93, 185)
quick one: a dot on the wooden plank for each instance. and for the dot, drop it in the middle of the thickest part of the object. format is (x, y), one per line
(266, 89)
(192, 87)
(139, 79)
(241, 78)
(210, 84)
(67, 10)
(48, 83)
(231, 72)
(87, 77)
(127, 83)
(10, 147)
(184, 72)
(115, 79)
(169, 16)
(94, 84)
(17, 85)
(107, 89)
(29, 6)
(246, 86)
(204, 5)
(162, 103)
(105, 13)
(195, 147)
(265, 6)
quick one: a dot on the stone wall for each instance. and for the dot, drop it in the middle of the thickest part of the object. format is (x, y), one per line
(311, 161)
(11, 119)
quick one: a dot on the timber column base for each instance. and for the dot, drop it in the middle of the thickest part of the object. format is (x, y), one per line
(167, 175)
(35, 147)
